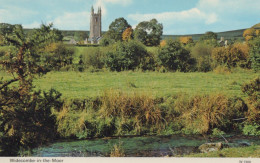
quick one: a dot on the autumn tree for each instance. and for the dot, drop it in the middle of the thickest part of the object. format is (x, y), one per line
(127, 34)
(186, 40)
(162, 43)
(149, 32)
(251, 33)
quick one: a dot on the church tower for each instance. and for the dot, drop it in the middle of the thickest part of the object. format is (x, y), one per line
(95, 26)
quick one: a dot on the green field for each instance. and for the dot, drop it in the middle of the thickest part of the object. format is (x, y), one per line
(81, 85)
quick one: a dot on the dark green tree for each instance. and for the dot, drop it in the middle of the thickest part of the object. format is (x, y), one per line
(127, 56)
(174, 57)
(255, 53)
(116, 29)
(149, 32)
(25, 115)
(209, 36)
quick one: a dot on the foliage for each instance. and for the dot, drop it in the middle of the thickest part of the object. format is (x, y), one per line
(106, 40)
(80, 35)
(217, 132)
(28, 123)
(186, 40)
(253, 130)
(252, 90)
(127, 34)
(127, 56)
(118, 114)
(149, 32)
(255, 53)
(25, 114)
(57, 55)
(209, 36)
(236, 55)
(251, 33)
(202, 53)
(174, 57)
(163, 43)
(116, 29)
(117, 151)
(201, 114)
(95, 58)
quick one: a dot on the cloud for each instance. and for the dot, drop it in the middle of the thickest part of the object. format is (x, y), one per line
(207, 14)
(10, 13)
(229, 6)
(103, 4)
(191, 15)
(72, 21)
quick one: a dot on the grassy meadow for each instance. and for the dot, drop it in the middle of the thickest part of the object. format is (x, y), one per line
(86, 84)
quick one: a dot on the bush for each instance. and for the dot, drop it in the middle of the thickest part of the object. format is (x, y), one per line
(27, 125)
(202, 53)
(252, 90)
(127, 56)
(255, 54)
(57, 55)
(174, 57)
(94, 57)
(236, 55)
(252, 130)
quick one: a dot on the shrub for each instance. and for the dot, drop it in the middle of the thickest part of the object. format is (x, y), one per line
(236, 55)
(255, 54)
(253, 130)
(29, 125)
(252, 89)
(127, 56)
(94, 57)
(174, 57)
(57, 55)
(202, 53)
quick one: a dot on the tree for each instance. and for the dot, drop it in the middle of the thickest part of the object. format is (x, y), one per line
(174, 57)
(127, 34)
(80, 35)
(255, 53)
(116, 29)
(127, 56)
(209, 36)
(57, 55)
(251, 33)
(149, 33)
(186, 40)
(25, 114)
(202, 53)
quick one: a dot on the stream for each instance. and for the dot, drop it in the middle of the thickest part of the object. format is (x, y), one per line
(145, 146)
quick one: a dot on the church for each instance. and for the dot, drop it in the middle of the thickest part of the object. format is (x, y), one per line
(95, 26)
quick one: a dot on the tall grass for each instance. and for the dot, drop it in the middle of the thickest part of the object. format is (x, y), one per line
(117, 114)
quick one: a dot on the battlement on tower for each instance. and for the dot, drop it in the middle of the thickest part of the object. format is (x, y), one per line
(95, 26)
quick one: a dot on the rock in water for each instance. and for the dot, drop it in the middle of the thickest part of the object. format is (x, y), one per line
(208, 147)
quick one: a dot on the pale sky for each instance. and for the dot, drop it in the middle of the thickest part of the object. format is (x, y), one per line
(177, 16)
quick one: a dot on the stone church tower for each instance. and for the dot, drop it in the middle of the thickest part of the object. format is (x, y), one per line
(95, 26)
